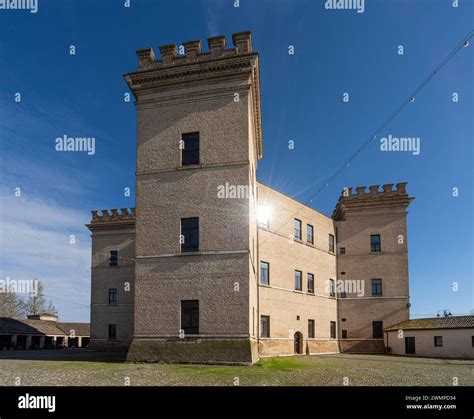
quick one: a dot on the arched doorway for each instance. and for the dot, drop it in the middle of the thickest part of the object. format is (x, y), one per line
(298, 343)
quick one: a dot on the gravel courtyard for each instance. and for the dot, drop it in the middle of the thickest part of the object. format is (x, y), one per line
(56, 369)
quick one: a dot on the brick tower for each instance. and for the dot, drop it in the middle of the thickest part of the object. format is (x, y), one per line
(199, 128)
(371, 235)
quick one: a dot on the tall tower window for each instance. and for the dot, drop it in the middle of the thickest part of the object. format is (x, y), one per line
(375, 244)
(190, 149)
(333, 330)
(190, 316)
(309, 234)
(298, 281)
(112, 295)
(332, 288)
(112, 331)
(310, 283)
(113, 260)
(376, 287)
(265, 326)
(189, 234)
(377, 329)
(310, 328)
(264, 273)
(331, 243)
(297, 229)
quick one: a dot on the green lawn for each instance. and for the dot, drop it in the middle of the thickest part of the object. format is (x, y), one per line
(322, 370)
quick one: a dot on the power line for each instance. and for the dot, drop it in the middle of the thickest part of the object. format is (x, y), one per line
(410, 99)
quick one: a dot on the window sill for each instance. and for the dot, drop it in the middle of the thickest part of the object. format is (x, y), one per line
(190, 253)
(190, 166)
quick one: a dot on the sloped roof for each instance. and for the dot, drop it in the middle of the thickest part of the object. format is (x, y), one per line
(452, 322)
(9, 326)
(80, 329)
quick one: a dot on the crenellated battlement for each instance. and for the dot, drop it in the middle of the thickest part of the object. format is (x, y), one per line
(113, 215)
(220, 72)
(374, 190)
(193, 51)
(375, 196)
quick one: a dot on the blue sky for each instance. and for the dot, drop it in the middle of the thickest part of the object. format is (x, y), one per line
(336, 51)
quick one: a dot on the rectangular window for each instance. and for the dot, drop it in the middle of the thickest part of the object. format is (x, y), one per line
(190, 149)
(112, 331)
(377, 329)
(342, 250)
(265, 326)
(310, 328)
(344, 334)
(472, 341)
(309, 234)
(331, 243)
(264, 273)
(333, 330)
(332, 288)
(190, 317)
(112, 295)
(438, 341)
(375, 244)
(189, 234)
(298, 282)
(376, 287)
(297, 228)
(113, 260)
(311, 283)
(263, 216)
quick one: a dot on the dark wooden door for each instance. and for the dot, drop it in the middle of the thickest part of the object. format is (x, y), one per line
(410, 345)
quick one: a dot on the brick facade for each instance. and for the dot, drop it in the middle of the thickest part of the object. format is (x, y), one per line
(217, 94)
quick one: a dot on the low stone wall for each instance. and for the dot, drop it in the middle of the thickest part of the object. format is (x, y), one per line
(189, 350)
(362, 346)
(322, 346)
(109, 345)
(269, 347)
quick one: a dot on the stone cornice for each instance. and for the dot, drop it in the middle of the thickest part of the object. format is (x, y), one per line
(123, 218)
(239, 65)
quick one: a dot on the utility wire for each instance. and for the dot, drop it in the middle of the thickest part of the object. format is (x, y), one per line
(411, 98)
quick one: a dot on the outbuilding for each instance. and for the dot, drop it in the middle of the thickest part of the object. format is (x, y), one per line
(437, 337)
(41, 331)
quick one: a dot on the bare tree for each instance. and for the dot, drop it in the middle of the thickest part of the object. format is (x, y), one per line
(11, 305)
(36, 304)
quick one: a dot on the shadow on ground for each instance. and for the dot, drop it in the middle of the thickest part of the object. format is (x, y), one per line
(64, 355)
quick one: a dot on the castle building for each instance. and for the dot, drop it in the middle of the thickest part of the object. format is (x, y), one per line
(213, 266)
